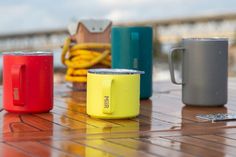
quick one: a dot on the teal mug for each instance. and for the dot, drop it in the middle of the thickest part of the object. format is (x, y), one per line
(132, 49)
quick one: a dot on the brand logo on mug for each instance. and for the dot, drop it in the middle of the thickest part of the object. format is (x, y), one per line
(106, 101)
(135, 63)
(15, 94)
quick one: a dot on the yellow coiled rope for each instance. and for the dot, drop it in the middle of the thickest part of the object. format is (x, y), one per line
(80, 57)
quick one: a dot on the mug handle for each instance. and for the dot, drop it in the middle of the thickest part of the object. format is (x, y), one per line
(171, 65)
(135, 39)
(108, 107)
(18, 84)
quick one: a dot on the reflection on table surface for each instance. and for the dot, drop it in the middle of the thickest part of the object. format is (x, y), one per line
(165, 127)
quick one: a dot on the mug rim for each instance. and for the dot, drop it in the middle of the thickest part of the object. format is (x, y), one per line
(206, 39)
(107, 71)
(31, 53)
(133, 27)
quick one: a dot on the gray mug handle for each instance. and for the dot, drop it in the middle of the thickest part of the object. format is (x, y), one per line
(171, 65)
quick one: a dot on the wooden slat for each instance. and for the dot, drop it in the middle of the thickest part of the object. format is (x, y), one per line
(35, 148)
(181, 146)
(7, 150)
(217, 149)
(149, 148)
(114, 148)
(76, 148)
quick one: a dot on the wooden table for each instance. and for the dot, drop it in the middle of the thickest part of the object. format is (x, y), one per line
(165, 127)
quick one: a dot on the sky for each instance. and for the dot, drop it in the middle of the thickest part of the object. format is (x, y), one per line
(33, 15)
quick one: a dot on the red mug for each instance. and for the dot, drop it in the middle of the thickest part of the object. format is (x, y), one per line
(28, 82)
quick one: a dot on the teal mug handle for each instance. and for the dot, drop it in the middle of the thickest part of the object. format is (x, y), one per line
(135, 48)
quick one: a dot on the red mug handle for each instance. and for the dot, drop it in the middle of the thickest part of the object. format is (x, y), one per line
(18, 84)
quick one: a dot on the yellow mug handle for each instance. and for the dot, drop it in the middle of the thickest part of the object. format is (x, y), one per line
(107, 105)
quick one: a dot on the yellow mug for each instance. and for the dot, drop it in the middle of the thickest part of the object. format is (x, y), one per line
(113, 93)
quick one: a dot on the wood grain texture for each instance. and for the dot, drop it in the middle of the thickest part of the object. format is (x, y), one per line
(165, 127)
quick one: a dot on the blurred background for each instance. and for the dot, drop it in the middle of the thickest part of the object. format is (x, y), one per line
(27, 25)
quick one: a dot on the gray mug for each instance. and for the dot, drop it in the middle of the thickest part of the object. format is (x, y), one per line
(204, 71)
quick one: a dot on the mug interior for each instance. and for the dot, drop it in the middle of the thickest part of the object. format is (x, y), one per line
(115, 71)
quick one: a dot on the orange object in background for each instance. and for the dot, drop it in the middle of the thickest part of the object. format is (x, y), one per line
(90, 31)
(87, 47)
